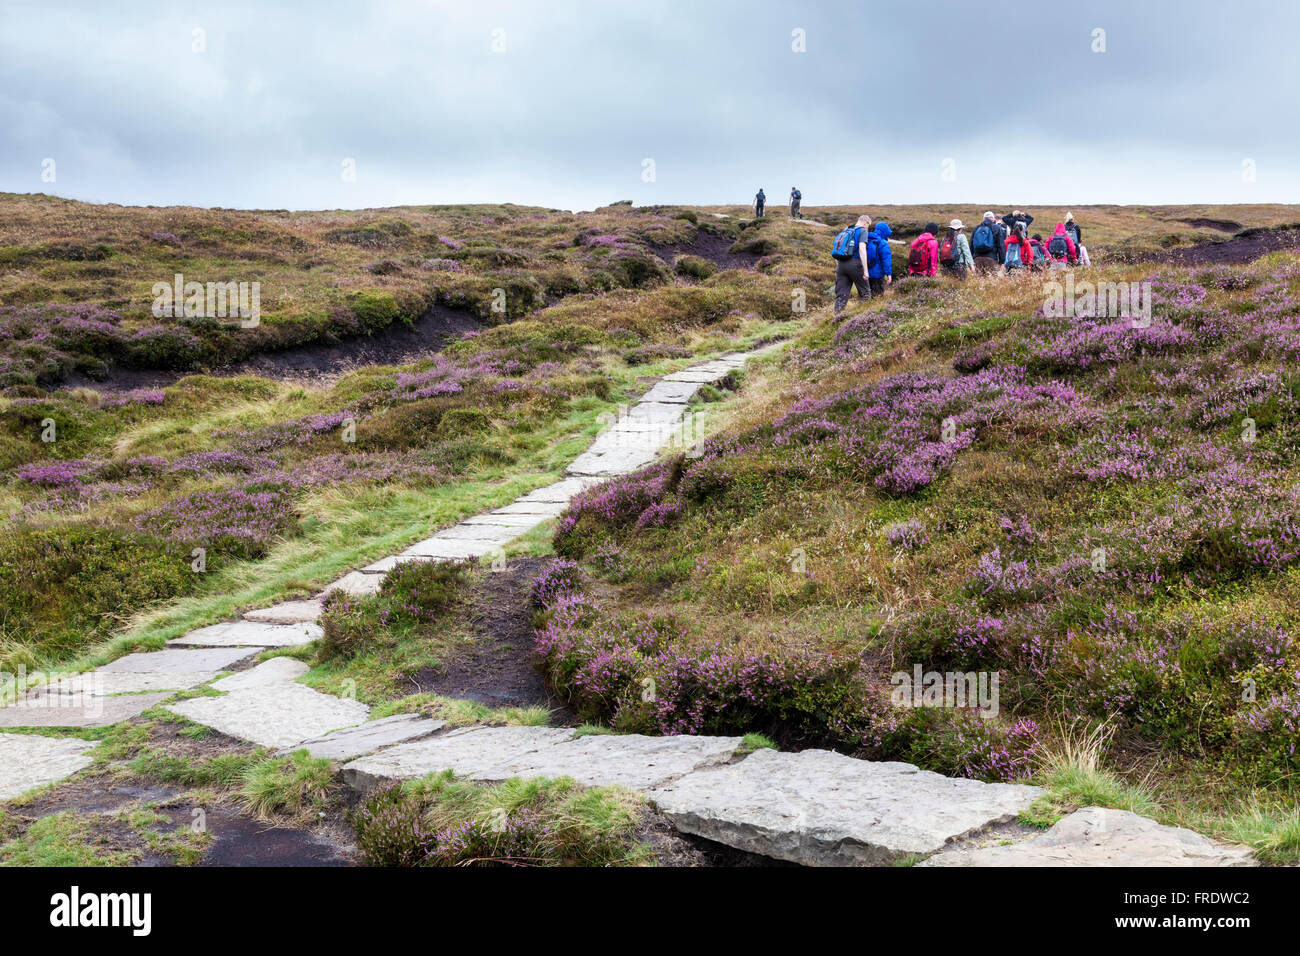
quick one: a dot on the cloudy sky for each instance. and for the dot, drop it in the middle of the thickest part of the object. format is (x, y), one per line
(576, 103)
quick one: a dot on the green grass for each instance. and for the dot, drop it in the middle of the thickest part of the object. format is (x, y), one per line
(67, 838)
(295, 786)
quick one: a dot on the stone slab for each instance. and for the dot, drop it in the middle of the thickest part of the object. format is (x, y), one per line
(356, 583)
(249, 633)
(615, 461)
(531, 509)
(523, 522)
(466, 752)
(672, 392)
(289, 612)
(104, 683)
(622, 760)
(702, 375)
(353, 742)
(820, 808)
(1095, 836)
(28, 761)
(496, 534)
(176, 660)
(450, 549)
(560, 491)
(275, 715)
(274, 671)
(659, 412)
(76, 710)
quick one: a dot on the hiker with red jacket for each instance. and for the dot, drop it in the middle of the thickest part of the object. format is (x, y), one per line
(1019, 253)
(1061, 248)
(923, 258)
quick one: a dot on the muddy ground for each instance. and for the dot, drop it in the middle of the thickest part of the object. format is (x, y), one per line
(1246, 246)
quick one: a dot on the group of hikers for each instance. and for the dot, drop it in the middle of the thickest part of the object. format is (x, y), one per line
(864, 260)
(796, 198)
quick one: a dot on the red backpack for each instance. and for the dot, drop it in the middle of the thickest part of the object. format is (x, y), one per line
(945, 250)
(918, 260)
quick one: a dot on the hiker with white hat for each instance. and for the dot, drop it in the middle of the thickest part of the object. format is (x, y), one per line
(954, 251)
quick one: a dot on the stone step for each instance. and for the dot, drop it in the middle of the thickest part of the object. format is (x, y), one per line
(820, 808)
(249, 634)
(45, 709)
(289, 612)
(352, 742)
(499, 753)
(28, 761)
(280, 714)
(1095, 836)
(274, 671)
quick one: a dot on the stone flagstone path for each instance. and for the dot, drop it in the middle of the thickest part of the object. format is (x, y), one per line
(815, 807)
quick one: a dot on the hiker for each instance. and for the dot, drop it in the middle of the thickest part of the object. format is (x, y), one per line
(1076, 234)
(796, 198)
(1039, 251)
(1073, 229)
(1061, 248)
(880, 258)
(1017, 216)
(851, 263)
(1019, 253)
(987, 245)
(923, 256)
(760, 200)
(954, 252)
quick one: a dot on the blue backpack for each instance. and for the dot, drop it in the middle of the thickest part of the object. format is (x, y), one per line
(982, 241)
(846, 243)
(1013, 255)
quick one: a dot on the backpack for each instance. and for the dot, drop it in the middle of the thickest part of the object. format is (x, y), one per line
(797, 195)
(918, 260)
(1058, 247)
(945, 250)
(846, 243)
(1014, 259)
(982, 240)
(1040, 254)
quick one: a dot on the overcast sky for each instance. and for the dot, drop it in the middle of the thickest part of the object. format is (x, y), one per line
(564, 102)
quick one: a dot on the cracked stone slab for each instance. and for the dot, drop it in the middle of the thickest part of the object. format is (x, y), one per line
(820, 808)
(496, 534)
(274, 671)
(77, 710)
(175, 660)
(531, 509)
(104, 683)
(356, 583)
(28, 761)
(624, 760)
(1095, 836)
(615, 461)
(289, 612)
(449, 549)
(249, 633)
(353, 742)
(523, 522)
(466, 752)
(560, 491)
(657, 412)
(703, 374)
(274, 715)
(673, 392)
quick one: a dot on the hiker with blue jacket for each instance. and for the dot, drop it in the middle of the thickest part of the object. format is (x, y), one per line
(880, 258)
(852, 267)
(1017, 216)
(760, 200)
(987, 245)
(796, 198)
